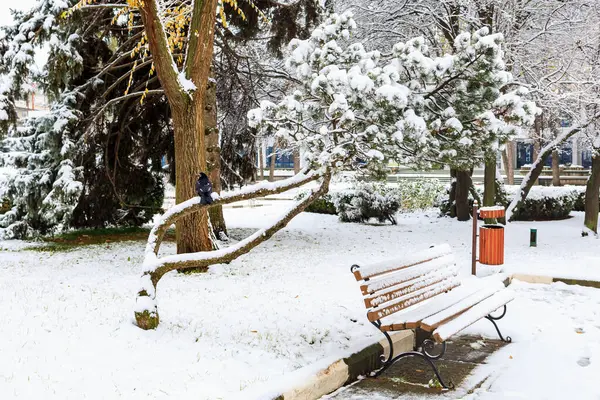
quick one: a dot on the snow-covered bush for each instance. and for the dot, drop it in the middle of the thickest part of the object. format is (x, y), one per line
(542, 203)
(418, 194)
(91, 161)
(366, 201)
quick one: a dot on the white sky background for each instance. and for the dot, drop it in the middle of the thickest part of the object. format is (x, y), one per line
(6, 5)
(6, 19)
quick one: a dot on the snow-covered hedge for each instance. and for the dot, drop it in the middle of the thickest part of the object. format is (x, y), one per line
(542, 203)
(546, 203)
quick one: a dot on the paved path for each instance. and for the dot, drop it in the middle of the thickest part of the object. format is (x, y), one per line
(410, 378)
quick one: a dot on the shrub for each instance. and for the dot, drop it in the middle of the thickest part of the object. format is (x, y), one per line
(366, 201)
(418, 194)
(323, 205)
(580, 198)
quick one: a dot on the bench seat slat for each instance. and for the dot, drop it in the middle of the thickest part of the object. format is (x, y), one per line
(379, 268)
(432, 322)
(403, 302)
(473, 315)
(411, 318)
(401, 276)
(433, 277)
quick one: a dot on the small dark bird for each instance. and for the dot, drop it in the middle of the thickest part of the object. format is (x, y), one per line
(204, 189)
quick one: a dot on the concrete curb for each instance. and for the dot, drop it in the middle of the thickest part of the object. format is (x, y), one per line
(549, 279)
(347, 370)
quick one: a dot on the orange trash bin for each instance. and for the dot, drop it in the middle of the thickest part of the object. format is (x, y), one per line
(491, 245)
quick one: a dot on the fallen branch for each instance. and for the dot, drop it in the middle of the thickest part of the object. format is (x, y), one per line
(146, 312)
(246, 193)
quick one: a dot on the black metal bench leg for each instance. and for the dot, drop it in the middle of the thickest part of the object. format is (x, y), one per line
(427, 344)
(493, 320)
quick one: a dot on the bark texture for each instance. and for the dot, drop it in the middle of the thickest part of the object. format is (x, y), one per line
(261, 160)
(192, 231)
(489, 186)
(508, 159)
(592, 194)
(213, 155)
(463, 185)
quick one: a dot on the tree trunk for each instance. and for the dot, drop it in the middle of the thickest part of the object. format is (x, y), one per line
(262, 163)
(592, 194)
(192, 231)
(508, 159)
(213, 156)
(187, 107)
(489, 183)
(296, 161)
(555, 168)
(489, 186)
(452, 195)
(463, 184)
(273, 159)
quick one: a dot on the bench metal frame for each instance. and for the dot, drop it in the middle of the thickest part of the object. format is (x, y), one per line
(424, 344)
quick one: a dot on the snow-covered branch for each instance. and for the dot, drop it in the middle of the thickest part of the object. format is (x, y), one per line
(146, 311)
(194, 204)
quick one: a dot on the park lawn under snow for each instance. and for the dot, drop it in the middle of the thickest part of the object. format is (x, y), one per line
(241, 329)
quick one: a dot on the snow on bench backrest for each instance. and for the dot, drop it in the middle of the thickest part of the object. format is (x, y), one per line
(396, 277)
(395, 264)
(406, 288)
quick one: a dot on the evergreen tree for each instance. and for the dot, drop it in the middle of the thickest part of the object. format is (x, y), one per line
(95, 159)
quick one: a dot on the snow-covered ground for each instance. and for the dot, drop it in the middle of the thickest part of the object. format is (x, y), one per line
(67, 329)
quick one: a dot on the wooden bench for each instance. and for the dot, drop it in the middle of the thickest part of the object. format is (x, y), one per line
(422, 292)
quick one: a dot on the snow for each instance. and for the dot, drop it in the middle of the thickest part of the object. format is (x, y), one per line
(474, 314)
(492, 208)
(274, 316)
(370, 270)
(186, 83)
(478, 296)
